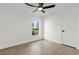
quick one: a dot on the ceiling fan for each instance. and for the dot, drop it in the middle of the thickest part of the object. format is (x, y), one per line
(41, 7)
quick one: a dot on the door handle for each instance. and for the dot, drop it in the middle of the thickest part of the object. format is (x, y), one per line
(63, 30)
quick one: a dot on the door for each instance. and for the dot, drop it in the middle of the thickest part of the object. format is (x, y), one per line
(68, 30)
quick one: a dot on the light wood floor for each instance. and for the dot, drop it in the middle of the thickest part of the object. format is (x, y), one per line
(42, 47)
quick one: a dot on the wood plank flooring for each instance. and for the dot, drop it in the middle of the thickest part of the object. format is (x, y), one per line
(42, 47)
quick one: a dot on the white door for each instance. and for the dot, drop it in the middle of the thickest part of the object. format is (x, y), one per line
(69, 30)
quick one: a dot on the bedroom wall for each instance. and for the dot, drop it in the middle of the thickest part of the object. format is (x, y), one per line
(52, 28)
(53, 24)
(16, 25)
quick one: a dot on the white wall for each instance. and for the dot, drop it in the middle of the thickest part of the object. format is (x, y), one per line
(75, 13)
(16, 25)
(52, 28)
(54, 22)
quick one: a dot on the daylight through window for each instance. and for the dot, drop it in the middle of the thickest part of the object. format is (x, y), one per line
(35, 26)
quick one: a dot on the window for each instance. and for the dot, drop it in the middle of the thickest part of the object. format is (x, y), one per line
(35, 26)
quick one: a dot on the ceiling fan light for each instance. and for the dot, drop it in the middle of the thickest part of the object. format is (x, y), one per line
(40, 8)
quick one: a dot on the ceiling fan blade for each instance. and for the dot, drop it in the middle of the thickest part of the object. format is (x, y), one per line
(50, 6)
(43, 11)
(35, 10)
(41, 4)
(30, 5)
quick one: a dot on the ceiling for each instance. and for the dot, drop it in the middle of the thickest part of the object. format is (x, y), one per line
(28, 9)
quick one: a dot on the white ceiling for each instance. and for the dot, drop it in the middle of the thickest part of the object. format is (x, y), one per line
(28, 9)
